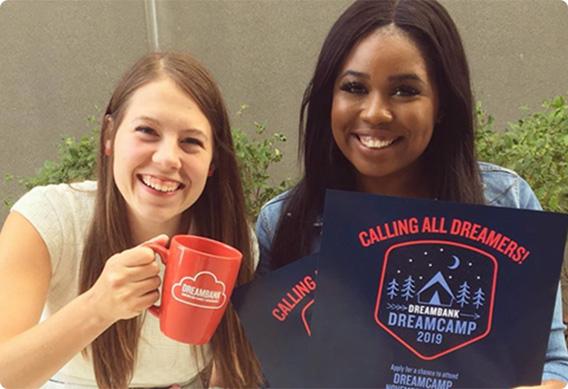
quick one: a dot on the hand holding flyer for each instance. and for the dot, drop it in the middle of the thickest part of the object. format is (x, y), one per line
(411, 293)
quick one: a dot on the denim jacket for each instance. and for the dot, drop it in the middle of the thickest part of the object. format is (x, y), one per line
(502, 187)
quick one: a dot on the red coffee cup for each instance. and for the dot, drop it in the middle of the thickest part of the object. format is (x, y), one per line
(198, 282)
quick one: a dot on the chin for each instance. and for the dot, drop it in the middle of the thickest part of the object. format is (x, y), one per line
(157, 216)
(373, 171)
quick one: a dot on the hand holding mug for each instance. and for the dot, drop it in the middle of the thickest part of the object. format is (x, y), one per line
(198, 282)
(128, 283)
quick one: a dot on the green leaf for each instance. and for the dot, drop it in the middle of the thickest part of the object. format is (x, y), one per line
(535, 147)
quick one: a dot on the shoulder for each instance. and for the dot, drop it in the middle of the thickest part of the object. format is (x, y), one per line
(266, 225)
(269, 217)
(64, 200)
(60, 214)
(505, 188)
(58, 194)
(271, 211)
(278, 201)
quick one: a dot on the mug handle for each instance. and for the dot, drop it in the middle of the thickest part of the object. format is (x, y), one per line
(163, 254)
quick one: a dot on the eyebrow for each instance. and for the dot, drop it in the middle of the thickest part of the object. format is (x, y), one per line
(193, 131)
(398, 77)
(406, 77)
(354, 73)
(147, 119)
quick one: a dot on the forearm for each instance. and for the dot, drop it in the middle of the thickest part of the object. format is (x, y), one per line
(29, 359)
(556, 357)
(553, 384)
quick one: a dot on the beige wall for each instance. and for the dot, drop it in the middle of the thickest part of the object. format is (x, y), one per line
(60, 59)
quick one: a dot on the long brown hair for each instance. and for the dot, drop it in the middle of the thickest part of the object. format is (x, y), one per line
(219, 213)
(450, 156)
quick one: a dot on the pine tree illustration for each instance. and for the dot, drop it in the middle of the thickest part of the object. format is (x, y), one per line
(463, 294)
(407, 291)
(478, 298)
(392, 289)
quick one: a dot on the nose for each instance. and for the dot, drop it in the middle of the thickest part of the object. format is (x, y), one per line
(167, 154)
(376, 110)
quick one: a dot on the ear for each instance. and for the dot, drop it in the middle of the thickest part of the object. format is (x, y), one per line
(440, 117)
(108, 127)
(211, 170)
(108, 148)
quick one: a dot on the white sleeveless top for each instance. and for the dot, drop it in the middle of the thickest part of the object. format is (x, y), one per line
(62, 214)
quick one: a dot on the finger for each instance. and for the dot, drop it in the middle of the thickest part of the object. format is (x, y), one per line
(137, 256)
(140, 288)
(142, 272)
(147, 300)
(160, 239)
(142, 303)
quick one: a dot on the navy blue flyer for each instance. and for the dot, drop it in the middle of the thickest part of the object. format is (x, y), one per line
(275, 311)
(430, 294)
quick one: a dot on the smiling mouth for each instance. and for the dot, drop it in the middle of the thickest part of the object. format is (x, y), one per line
(160, 185)
(375, 143)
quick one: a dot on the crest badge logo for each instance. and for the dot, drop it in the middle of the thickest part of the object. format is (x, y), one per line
(306, 315)
(435, 296)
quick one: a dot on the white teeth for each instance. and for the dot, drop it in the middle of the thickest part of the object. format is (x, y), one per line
(160, 185)
(374, 143)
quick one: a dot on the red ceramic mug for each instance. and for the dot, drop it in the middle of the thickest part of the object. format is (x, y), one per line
(198, 282)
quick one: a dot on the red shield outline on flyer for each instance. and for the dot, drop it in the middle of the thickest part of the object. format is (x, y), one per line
(435, 296)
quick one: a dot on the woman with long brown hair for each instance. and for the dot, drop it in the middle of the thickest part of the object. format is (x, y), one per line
(72, 255)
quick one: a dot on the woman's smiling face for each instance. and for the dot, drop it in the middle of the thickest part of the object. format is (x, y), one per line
(383, 111)
(162, 153)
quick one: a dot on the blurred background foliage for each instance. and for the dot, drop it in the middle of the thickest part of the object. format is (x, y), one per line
(256, 154)
(536, 147)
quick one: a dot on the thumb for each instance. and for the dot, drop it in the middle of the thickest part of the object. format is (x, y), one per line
(161, 239)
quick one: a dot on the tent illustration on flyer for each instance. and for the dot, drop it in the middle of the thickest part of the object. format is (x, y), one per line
(424, 294)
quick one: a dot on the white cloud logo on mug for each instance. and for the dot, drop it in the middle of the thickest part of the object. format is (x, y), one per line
(203, 290)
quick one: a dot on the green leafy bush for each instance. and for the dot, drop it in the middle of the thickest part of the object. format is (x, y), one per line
(255, 156)
(76, 161)
(536, 147)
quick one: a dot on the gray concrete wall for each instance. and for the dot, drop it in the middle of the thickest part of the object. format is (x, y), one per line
(517, 51)
(59, 61)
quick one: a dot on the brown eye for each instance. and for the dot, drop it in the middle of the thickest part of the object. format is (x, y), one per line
(405, 91)
(146, 130)
(192, 141)
(353, 87)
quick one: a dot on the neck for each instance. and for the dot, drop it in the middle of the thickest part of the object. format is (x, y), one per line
(144, 230)
(411, 182)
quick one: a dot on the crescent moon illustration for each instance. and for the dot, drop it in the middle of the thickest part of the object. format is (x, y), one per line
(455, 264)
